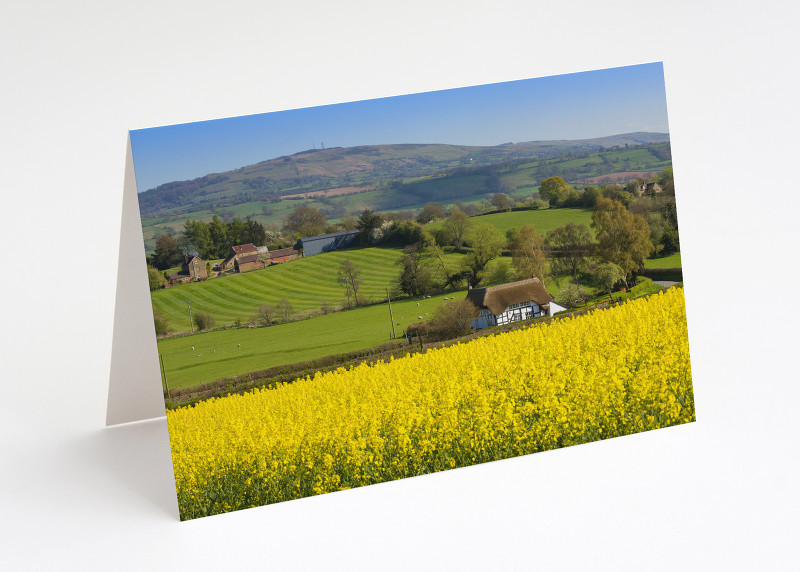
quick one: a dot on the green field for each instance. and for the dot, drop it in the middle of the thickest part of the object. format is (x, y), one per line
(543, 220)
(217, 354)
(306, 283)
(672, 261)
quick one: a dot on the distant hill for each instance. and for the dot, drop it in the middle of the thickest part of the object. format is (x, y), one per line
(368, 165)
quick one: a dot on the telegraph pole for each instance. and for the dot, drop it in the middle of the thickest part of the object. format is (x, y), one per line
(391, 316)
(164, 375)
(189, 305)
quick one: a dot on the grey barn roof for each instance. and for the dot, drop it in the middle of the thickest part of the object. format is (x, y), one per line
(498, 298)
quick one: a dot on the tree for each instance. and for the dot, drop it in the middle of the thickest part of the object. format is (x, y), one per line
(527, 253)
(350, 278)
(607, 275)
(202, 320)
(501, 201)
(429, 212)
(435, 254)
(155, 278)
(571, 295)
(486, 244)
(622, 237)
(590, 195)
(570, 247)
(256, 233)
(285, 311)
(265, 316)
(167, 253)
(219, 237)
(196, 231)
(237, 232)
(458, 225)
(553, 190)
(160, 322)
(305, 221)
(453, 319)
(415, 277)
(499, 273)
(367, 222)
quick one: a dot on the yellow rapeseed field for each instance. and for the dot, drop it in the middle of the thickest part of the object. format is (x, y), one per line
(610, 373)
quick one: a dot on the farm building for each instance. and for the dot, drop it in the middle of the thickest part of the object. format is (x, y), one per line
(283, 255)
(237, 252)
(312, 245)
(192, 270)
(649, 189)
(249, 262)
(511, 302)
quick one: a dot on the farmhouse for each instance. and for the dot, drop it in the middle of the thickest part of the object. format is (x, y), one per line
(649, 189)
(237, 252)
(511, 302)
(192, 270)
(283, 255)
(312, 245)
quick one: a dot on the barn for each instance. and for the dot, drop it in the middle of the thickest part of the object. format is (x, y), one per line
(236, 252)
(511, 302)
(250, 262)
(283, 255)
(312, 245)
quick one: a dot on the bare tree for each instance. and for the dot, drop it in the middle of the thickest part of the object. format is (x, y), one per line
(285, 311)
(350, 278)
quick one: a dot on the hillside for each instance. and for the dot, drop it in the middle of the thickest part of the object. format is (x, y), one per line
(338, 167)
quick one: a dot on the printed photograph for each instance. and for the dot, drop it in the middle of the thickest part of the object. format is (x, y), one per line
(355, 293)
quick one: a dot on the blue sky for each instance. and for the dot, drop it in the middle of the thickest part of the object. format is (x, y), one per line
(573, 106)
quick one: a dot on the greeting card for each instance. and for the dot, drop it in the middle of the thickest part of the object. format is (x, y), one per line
(349, 294)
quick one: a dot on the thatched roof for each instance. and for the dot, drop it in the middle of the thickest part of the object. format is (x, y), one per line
(498, 298)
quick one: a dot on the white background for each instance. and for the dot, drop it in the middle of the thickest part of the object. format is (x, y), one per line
(717, 494)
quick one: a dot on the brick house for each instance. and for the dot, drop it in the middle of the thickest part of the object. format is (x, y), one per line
(193, 269)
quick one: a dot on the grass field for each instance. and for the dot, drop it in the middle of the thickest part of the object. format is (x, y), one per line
(543, 220)
(217, 354)
(305, 283)
(672, 261)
